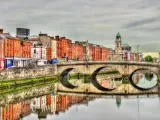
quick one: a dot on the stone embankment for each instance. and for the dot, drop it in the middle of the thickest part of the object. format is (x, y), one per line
(28, 72)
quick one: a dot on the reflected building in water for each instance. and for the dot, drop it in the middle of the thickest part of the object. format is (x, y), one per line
(107, 83)
(118, 101)
(12, 111)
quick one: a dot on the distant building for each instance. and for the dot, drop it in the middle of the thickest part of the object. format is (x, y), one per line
(53, 48)
(85, 45)
(22, 33)
(64, 47)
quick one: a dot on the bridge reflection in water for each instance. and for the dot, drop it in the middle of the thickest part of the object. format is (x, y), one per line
(140, 79)
(54, 98)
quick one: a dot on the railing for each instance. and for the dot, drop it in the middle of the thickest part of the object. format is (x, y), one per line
(116, 62)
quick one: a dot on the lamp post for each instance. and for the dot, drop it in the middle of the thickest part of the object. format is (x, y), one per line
(159, 58)
(137, 50)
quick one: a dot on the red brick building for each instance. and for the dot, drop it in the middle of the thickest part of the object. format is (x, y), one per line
(105, 53)
(64, 47)
(48, 53)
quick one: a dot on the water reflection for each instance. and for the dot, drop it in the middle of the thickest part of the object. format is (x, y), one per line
(144, 79)
(49, 106)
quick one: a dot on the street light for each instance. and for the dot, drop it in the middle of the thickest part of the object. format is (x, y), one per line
(137, 51)
(159, 58)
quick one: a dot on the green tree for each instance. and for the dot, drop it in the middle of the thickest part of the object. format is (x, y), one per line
(148, 58)
(149, 76)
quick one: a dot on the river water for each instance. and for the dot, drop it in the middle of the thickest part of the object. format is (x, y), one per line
(67, 107)
(54, 101)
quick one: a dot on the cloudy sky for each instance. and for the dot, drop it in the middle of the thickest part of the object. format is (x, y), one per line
(98, 21)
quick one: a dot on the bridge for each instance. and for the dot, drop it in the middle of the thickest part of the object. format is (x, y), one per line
(123, 67)
(87, 67)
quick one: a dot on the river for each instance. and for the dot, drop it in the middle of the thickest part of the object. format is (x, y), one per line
(54, 101)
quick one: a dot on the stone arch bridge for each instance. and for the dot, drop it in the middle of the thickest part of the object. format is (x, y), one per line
(88, 67)
(123, 67)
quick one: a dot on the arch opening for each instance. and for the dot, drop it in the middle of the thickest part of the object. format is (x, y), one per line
(109, 81)
(143, 79)
(65, 78)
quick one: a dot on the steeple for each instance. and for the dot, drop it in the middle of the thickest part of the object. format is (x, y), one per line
(118, 36)
(118, 47)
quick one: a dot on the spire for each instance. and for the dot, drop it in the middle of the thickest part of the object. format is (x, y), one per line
(118, 35)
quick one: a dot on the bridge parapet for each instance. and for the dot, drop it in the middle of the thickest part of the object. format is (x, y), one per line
(124, 67)
(109, 62)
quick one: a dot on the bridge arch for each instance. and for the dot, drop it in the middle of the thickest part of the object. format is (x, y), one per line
(64, 78)
(140, 88)
(94, 80)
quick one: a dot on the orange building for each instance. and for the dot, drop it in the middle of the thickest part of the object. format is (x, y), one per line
(64, 47)
(26, 49)
(7, 112)
(26, 107)
(48, 100)
(105, 53)
(48, 53)
(12, 47)
(12, 111)
(13, 51)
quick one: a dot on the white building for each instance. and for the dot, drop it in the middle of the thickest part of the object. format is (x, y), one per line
(38, 103)
(1, 113)
(54, 47)
(53, 104)
(38, 52)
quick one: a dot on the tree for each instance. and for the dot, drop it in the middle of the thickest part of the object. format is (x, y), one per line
(148, 58)
(148, 76)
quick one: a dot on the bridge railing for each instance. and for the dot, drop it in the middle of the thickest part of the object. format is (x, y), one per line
(93, 61)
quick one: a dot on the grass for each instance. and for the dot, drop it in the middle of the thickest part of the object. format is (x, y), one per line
(27, 81)
(22, 88)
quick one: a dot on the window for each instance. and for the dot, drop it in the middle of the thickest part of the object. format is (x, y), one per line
(34, 102)
(34, 50)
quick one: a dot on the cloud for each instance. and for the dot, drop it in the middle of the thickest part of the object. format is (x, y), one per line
(95, 20)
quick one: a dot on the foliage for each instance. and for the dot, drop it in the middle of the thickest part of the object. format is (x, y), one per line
(149, 76)
(148, 58)
(159, 78)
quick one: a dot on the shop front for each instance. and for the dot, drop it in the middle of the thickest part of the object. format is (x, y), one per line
(8, 62)
(21, 62)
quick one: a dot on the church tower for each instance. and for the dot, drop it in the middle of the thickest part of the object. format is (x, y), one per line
(118, 44)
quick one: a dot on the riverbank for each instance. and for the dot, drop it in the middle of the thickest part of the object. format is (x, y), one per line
(12, 84)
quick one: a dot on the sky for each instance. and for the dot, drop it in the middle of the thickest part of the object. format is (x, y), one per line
(95, 20)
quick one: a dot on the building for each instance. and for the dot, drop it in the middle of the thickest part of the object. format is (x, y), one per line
(14, 52)
(64, 47)
(25, 107)
(46, 42)
(111, 53)
(79, 52)
(53, 48)
(53, 104)
(105, 53)
(38, 53)
(1, 113)
(22, 33)
(38, 103)
(11, 111)
(86, 51)
(48, 54)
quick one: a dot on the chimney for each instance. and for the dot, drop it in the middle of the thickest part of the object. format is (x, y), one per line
(1, 31)
(57, 37)
(52, 38)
